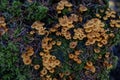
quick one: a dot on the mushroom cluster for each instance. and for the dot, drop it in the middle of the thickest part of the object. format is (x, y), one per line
(75, 56)
(47, 44)
(89, 66)
(82, 8)
(79, 34)
(37, 25)
(107, 63)
(66, 24)
(3, 27)
(115, 23)
(62, 4)
(68, 36)
(109, 14)
(26, 56)
(49, 62)
(95, 32)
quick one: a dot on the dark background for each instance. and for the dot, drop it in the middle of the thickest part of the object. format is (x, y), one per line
(115, 73)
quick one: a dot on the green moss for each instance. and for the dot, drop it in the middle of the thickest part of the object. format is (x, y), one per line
(31, 11)
(36, 12)
(15, 8)
(10, 67)
(3, 5)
